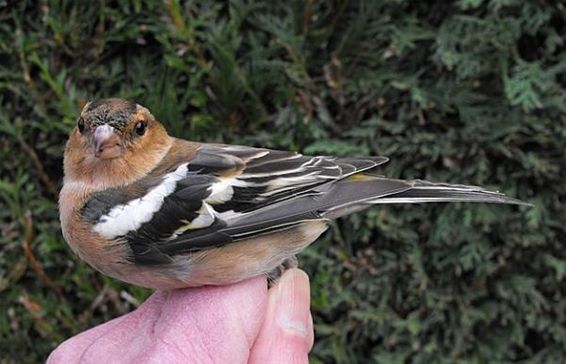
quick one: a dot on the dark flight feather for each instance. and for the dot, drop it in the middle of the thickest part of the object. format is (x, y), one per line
(266, 191)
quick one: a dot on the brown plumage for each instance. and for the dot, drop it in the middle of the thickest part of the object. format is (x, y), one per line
(162, 212)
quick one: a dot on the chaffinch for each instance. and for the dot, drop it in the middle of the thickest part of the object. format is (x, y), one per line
(162, 212)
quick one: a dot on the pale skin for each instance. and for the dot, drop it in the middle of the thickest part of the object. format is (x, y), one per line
(241, 323)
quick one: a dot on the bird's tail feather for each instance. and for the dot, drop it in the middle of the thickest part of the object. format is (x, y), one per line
(355, 195)
(424, 191)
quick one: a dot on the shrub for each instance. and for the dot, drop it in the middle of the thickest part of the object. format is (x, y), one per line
(467, 91)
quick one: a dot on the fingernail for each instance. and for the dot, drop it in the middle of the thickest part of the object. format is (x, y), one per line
(293, 296)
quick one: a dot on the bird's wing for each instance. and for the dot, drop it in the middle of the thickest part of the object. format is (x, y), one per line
(223, 194)
(226, 194)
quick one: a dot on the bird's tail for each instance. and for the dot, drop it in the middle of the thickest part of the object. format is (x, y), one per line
(360, 192)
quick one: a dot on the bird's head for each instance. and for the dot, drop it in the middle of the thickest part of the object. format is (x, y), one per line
(114, 137)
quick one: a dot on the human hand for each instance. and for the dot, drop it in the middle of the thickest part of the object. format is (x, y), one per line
(241, 323)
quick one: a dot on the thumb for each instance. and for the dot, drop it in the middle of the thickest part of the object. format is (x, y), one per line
(286, 335)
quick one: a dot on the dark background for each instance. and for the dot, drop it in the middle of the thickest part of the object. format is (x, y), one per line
(466, 91)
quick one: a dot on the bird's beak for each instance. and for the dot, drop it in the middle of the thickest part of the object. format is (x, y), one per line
(107, 143)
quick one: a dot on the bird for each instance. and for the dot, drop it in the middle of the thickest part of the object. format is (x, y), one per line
(162, 212)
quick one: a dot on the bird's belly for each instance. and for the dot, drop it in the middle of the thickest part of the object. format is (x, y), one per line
(223, 265)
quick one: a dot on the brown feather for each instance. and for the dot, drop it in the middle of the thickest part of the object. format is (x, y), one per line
(228, 264)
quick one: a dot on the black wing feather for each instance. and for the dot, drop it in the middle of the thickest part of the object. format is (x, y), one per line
(265, 182)
(231, 193)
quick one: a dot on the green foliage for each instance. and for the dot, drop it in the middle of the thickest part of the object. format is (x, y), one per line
(471, 91)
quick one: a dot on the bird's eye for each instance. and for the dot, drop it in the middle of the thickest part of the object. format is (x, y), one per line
(81, 125)
(140, 128)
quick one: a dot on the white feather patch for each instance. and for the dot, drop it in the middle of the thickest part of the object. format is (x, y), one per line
(221, 191)
(205, 217)
(129, 217)
(285, 183)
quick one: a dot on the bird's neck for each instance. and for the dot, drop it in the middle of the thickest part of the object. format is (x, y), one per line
(91, 175)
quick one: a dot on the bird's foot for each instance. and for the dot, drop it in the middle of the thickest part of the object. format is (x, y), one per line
(275, 274)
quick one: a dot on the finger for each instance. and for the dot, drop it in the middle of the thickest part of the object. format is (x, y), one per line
(207, 324)
(287, 333)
